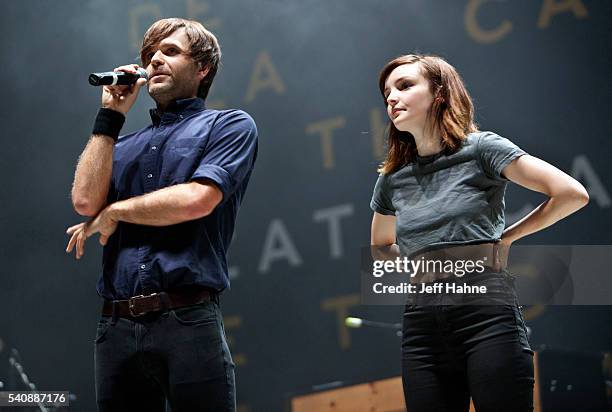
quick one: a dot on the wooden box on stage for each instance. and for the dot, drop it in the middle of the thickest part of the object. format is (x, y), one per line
(381, 396)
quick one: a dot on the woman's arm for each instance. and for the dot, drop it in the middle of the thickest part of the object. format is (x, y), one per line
(566, 195)
(382, 237)
(383, 230)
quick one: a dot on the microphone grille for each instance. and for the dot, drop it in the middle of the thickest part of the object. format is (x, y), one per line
(143, 73)
(353, 322)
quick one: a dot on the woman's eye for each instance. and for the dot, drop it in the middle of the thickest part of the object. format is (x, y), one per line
(404, 86)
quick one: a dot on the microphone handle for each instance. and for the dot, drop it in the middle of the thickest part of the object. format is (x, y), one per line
(113, 78)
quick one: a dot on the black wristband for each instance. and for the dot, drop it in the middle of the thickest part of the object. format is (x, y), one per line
(109, 123)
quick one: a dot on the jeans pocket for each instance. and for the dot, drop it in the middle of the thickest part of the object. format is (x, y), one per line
(103, 325)
(521, 329)
(195, 315)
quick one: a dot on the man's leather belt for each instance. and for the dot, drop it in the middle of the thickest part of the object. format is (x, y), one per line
(143, 304)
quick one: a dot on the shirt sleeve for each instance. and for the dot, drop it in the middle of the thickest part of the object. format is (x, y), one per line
(229, 155)
(381, 199)
(495, 153)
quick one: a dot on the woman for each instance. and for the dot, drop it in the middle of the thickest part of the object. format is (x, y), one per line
(442, 185)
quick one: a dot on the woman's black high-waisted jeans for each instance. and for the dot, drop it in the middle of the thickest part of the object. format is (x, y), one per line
(453, 352)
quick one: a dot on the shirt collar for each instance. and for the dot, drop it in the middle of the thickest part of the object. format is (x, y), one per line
(177, 110)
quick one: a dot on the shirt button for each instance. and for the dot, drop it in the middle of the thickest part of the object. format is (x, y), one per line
(143, 267)
(149, 175)
(154, 148)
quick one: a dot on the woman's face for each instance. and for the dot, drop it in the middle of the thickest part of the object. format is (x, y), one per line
(408, 97)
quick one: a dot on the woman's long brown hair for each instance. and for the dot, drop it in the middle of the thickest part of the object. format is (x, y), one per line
(451, 113)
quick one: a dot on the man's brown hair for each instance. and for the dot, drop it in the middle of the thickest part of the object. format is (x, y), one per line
(451, 113)
(203, 46)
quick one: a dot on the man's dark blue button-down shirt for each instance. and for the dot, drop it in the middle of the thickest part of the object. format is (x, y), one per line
(187, 142)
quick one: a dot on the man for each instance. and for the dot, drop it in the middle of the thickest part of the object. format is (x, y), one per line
(164, 201)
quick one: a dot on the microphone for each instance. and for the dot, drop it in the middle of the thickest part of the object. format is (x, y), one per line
(117, 78)
(355, 323)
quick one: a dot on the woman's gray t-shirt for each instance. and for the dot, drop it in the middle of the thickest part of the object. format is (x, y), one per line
(452, 199)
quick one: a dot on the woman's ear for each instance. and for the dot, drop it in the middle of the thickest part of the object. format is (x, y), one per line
(439, 94)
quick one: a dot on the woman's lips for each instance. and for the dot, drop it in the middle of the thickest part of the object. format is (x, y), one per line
(396, 112)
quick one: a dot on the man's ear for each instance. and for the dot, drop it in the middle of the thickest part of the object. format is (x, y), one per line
(203, 70)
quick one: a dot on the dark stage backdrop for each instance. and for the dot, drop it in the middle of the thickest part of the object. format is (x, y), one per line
(307, 72)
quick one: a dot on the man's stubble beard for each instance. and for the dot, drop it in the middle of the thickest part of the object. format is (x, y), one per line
(169, 92)
(162, 93)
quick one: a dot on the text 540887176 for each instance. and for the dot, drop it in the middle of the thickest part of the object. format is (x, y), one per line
(29, 398)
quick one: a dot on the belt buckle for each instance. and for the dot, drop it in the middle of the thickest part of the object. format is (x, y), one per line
(132, 304)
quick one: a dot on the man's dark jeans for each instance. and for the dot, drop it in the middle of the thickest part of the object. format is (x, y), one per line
(180, 355)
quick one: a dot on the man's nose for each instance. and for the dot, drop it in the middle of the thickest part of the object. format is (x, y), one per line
(157, 59)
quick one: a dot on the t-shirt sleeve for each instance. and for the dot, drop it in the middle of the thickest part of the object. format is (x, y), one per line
(229, 155)
(495, 153)
(381, 199)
